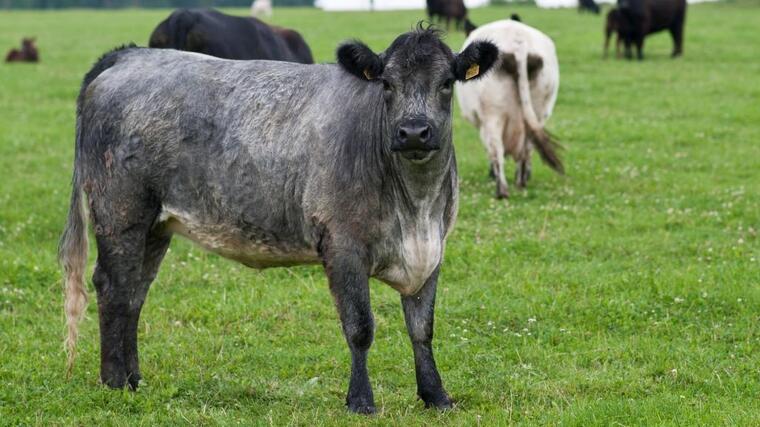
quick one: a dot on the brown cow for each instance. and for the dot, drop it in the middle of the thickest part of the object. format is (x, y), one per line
(613, 25)
(28, 52)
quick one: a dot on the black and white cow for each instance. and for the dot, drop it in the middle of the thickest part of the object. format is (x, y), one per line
(213, 33)
(270, 164)
(511, 105)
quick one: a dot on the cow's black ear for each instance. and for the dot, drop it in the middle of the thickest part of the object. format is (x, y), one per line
(359, 60)
(475, 60)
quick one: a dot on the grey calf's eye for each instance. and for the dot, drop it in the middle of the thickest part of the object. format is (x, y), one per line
(447, 85)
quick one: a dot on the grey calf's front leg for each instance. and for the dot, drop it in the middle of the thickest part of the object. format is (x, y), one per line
(419, 311)
(349, 284)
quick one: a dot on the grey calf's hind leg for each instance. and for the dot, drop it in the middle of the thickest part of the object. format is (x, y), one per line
(128, 258)
(155, 248)
(118, 282)
(419, 313)
(349, 284)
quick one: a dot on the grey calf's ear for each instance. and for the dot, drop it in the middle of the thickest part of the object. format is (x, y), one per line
(359, 60)
(475, 60)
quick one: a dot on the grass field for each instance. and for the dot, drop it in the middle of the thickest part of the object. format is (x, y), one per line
(626, 293)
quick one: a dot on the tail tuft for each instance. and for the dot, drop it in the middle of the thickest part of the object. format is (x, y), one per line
(548, 148)
(72, 255)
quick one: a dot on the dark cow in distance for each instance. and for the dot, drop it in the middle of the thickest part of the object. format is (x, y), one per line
(213, 33)
(270, 163)
(612, 26)
(28, 52)
(588, 5)
(640, 18)
(448, 10)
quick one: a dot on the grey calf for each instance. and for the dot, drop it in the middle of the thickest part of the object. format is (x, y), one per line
(270, 164)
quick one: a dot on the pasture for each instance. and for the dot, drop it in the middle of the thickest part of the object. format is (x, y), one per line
(625, 293)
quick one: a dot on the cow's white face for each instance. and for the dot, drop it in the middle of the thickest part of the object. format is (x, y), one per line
(417, 73)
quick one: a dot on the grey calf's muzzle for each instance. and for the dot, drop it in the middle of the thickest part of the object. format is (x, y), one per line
(415, 135)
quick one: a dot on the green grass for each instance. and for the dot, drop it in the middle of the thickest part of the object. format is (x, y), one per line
(627, 293)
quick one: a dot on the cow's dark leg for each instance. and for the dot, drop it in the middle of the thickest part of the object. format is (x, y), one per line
(419, 312)
(155, 248)
(491, 173)
(349, 283)
(522, 164)
(677, 33)
(607, 35)
(640, 48)
(125, 242)
(520, 180)
(118, 280)
(628, 52)
(523, 172)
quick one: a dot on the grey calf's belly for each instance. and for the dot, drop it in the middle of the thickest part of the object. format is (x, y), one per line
(234, 243)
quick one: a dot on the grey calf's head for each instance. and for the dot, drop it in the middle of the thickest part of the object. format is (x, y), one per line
(417, 72)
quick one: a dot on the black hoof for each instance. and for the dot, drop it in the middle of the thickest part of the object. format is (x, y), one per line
(361, 403)
(133, 380)
(362, 409)
(114, 381)
(116, 378)
(440, 401)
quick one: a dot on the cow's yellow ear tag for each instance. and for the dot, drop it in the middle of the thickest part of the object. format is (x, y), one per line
(367, 74)
(473, 71)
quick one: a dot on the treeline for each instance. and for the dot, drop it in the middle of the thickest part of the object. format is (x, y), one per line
(111, 4)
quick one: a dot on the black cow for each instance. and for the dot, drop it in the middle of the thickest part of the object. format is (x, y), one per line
(448, 10)
(639, 18)
(588, 5)
(231, 37)
(270, 164)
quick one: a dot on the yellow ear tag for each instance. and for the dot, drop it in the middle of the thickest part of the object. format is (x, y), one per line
(473, 71)
(367, 74)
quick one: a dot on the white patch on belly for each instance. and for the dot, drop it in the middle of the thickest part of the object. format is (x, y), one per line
(419, 253)
(230, 242)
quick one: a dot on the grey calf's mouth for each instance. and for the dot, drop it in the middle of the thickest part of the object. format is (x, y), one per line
(418, 156)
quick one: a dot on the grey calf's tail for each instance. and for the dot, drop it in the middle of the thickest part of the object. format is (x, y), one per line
(72, 255)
